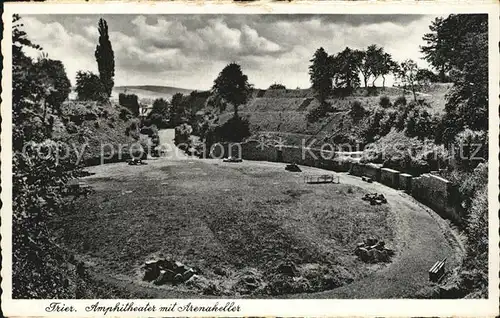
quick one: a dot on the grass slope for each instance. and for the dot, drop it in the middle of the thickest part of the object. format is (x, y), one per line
(283, 113)
(94, 125)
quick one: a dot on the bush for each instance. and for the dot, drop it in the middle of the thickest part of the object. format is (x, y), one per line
(357, 110)
(125, 114)
(400, 152)
(182, 135)
(277, 86)
(316, 113)
(400, 101)
(471, 149)
(90, 87)
(419, 123)
(235, 129)
(129, 101)
(385, 102)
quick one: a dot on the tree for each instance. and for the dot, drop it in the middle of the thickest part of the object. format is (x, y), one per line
(105, 58)
(321, 74)
(447, 37)
(177, 109)
(345, 66)
(40, 169)
(420, 123)
(374, 61)
(387, 65)
(467, 61)
(90, 87)
(424, 76)
(407, 73)
(129, 101)
(232, 86)
(160, 106)
(363, 65)
(57, 83)
(277, 86)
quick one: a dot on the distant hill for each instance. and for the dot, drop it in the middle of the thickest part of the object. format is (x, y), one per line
(149, 92)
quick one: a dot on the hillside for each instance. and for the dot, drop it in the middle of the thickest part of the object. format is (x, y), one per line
(283, 113)
(100, 127)
(150, 92)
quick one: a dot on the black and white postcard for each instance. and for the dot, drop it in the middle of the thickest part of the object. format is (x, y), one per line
(228, 159)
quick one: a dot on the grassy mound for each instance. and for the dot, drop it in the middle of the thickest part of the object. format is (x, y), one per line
(94, 124)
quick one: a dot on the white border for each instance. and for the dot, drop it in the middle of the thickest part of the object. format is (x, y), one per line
(326, 307)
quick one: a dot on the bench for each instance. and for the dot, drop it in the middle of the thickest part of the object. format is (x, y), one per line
(437, 271)
(367, 179)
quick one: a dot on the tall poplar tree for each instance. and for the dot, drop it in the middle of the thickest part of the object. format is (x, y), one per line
(105, 57)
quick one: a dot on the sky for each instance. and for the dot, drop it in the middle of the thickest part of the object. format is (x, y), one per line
(189, 51)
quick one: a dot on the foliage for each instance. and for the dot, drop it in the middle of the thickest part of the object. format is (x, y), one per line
(467, 103)
(277, 86)
(420, 123)
(54, 75)
(424, 76)
(398, 151)
(159, 113)
(345, 70)
(321, 73)
(177, 110)
(385, 102)
(41, 168)
(407, 73)
(363, 66)
(357, 110)
(400, 102)
(232, 86)
(378, 62)
(90, 87)
(129, 101)
(182, 135)
(105, 58)
(444, 44)
(316, 113)
(471, 149)
(236, 129)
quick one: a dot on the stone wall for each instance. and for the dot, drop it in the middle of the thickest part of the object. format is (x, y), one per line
(390, 177)
(405, 182)
(373, 171)
(429, 189)
(436, 192)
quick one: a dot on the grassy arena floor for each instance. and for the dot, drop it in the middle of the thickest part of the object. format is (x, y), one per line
(243, 218)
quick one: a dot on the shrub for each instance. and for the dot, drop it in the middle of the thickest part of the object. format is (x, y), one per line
(398, 151)
(385, 102)
(129, 101)
(357, 110)
(400, 101)
(125, 114)
(183, 134)
(235, 129)
(471, 148)
(90, 87)
(277, 86)
(316, 113)
(419, 123)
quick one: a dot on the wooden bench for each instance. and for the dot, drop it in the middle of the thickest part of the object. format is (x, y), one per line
(367, 179)
(437, 271)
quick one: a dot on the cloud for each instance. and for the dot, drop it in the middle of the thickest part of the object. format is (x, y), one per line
(190, 50)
